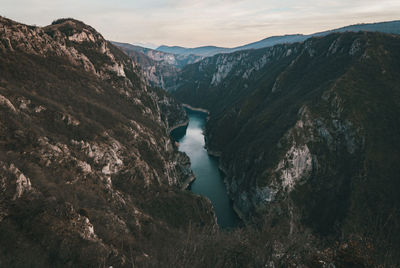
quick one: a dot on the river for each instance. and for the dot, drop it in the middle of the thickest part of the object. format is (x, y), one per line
(209, 181)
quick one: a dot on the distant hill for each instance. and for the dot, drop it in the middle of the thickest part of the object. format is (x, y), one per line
(392, 27)
(146, 45)
(201, 51)
(271, 41)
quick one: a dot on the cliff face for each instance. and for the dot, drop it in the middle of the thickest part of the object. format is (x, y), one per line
(88, 174)
(159, 68)
(308, 133)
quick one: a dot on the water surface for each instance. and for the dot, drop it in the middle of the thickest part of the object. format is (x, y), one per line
(209, 181)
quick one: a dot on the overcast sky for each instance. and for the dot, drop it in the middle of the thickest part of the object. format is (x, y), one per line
(193, 23)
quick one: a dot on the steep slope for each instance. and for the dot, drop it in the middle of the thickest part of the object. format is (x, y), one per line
(391, 27)
(88, 174)
(308, 133)
(159, 68)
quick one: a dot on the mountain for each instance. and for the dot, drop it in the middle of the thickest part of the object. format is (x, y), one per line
(392, 27)
(89, 176)
(159, 68)
(308, 136)
(204, 51)
(271, 41)
(146, 45)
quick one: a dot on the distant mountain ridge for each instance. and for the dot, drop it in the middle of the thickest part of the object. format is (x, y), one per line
(391, 27)
(201, 51)
(161, 66)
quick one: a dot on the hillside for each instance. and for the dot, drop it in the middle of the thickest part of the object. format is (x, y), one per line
(89, 176)
(308, 134)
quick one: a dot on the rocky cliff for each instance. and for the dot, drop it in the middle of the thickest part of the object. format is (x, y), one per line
(159, 68)
(88, 174)
(308, 133)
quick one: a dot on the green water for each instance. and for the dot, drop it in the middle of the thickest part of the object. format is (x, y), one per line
(209, 181)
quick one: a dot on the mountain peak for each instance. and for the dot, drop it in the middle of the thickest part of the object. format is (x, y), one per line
(63, 20)
(71, 22)
(74, 29)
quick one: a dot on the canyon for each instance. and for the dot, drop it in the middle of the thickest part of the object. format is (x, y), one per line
(306, 135)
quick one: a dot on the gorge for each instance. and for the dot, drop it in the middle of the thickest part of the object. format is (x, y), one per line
(209, 181)
(307, 134)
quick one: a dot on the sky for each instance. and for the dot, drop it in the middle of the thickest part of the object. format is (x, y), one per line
(192, 23)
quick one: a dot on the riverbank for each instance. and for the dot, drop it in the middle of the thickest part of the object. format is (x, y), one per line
(239, 213)
(184, 124)
(196, 109)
